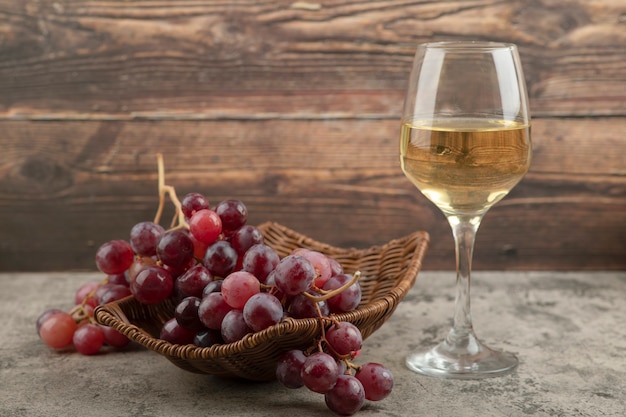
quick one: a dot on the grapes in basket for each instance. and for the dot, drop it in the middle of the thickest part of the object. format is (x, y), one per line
(226, 283)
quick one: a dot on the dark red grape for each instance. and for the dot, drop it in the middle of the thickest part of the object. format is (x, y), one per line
(114, 257)
(260, 260)
(234, 326)
(233, 213)
(113, 293)
(294, 274)
(212, 310)
(346, 397)
(213, 286)
(114, 338)
(208, 337)
(120, 279)
(320, 372)
(174, 333)
(376, 379)
(245, 237)
(262, 310)
(138, 264)
(193, 281)
(220, 258)
(348, 299)
(175, 249)
(193, 202)
(301, 307)
(186, 313)
(152, 285)
(289, 368)
(144, 238)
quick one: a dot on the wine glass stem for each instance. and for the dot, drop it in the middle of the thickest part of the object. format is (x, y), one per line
(464, 230)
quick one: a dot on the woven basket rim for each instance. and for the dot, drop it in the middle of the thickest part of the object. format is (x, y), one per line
(112, 314)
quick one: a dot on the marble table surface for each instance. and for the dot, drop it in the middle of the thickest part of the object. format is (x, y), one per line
(567, 328)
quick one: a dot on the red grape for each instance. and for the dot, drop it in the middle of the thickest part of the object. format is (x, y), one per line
(346, 397)
(233, 213)
(113, 293)
(138, 264)
(199, 248)
(238, 287)
(87, 289)
(144, 238)
(193, 282)
(260, 260)
(193, 202)
(175, 249)
(186, 313)
(335, 266)
(220, 258)
(294, 274)
(344, 338)
(205, 225)
(289, 368)
(348, 299)
(57, 330)
(208, 337)
(88, 339)
(301, 307)
(114, 257)
(121, 278)
(319, 372)
(376, 379)
(152, 285)
(234, 326)
(174, 333)
(320, 263)
(213, 286)
(212, 310)
(245, 237)
(114, 338)
(262, 310)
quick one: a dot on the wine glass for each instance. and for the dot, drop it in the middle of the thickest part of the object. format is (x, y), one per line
(465, 143)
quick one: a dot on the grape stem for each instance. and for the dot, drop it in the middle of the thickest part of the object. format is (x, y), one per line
(326, 294)
(169, 190)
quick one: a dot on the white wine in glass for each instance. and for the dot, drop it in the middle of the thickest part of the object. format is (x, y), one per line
(465, 143)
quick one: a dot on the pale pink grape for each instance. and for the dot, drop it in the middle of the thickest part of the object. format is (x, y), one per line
(238, 287)
(57, 330)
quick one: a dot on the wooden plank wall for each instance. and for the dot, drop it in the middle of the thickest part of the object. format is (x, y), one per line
(293, 107)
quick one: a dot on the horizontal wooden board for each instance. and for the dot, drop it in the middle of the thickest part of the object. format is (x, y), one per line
(284, 59)
(68, 186)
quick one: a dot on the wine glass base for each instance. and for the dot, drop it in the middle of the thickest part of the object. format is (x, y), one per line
(446, 361)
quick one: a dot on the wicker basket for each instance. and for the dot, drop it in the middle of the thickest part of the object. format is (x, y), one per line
(387, 274)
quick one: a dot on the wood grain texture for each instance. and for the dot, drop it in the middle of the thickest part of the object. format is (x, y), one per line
(121, 59)
(293, 107)
(569, 212)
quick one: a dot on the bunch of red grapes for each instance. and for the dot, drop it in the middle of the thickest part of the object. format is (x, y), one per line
(226, 283)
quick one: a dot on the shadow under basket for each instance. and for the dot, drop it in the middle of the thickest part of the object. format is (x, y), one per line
(387, 273)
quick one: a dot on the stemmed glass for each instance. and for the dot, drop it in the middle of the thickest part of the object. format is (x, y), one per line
(465, 143)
